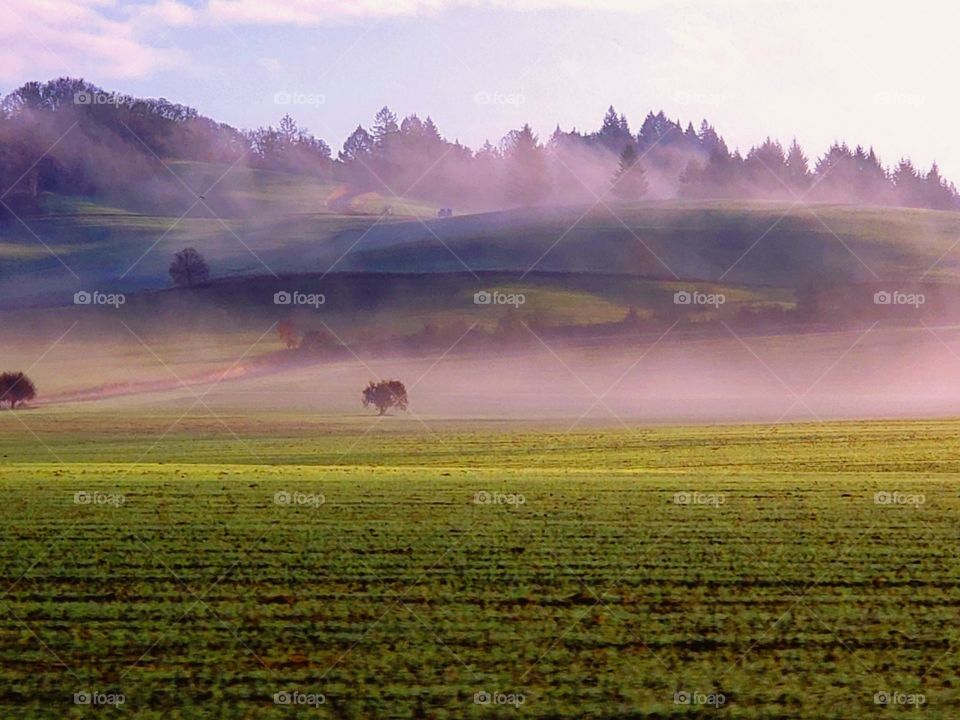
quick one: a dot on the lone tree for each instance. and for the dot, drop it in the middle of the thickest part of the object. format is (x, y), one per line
(630, 180)
(384, 395)
(16, 389)
(189, 268)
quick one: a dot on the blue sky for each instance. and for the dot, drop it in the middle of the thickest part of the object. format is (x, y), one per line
(819, 71)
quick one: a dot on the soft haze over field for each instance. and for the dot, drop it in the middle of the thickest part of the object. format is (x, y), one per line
(312, 399)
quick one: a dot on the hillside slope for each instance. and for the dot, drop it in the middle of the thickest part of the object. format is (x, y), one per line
(257, 223)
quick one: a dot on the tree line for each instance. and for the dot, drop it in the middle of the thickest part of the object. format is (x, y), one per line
(95, 143)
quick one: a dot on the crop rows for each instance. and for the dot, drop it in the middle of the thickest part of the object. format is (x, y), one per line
(406, 596)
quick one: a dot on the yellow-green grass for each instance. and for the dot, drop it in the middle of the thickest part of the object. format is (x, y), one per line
(398, 573)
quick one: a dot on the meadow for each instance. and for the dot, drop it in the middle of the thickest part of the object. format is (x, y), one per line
(357, 567)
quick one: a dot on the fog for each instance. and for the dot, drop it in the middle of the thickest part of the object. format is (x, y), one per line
(860, 374)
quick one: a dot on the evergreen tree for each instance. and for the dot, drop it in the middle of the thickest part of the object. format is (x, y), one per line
(764, 164)
(385, 128)
(527, 179)
(797, 168)
(937, 193)
(358, 147)
(908, 185)
(614, 133)
(629, 182)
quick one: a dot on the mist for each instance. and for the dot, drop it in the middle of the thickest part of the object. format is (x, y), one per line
(873, 372)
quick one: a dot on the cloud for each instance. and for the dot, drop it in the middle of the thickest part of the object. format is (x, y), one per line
(169, 13)
(82, 37)
(118, 39)
(115, 39)
(321, 12)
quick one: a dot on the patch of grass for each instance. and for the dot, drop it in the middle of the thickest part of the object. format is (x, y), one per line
(595, 574)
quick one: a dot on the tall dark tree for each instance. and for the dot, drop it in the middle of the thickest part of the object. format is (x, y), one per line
(766, 166)
(614, 133)
(357, 147)
(385, 129)
(630, 181)
(937, 192)
(527, 181)
(908, 184)
(710, 141)
(657, 130)
(797, 168)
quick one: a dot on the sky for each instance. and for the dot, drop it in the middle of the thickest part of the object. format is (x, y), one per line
(871, 73)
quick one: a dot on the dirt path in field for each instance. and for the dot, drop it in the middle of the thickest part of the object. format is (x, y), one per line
(266, 365)
(120, 389)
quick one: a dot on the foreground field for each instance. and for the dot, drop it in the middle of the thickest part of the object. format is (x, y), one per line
(377, 569)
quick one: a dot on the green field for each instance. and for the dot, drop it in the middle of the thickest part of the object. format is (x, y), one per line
(260, 223)
(600, 573)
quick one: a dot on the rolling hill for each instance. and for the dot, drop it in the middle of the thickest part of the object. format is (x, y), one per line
(263, 223)
(403, 281)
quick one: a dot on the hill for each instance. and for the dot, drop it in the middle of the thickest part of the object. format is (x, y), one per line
(261, 223)
(747, 243)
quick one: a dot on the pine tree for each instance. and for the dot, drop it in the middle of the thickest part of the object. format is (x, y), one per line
(630, 181)
(357, 147)
(937, 193)
(797, 168)
(763, 161)
(614, 133)
(908, 184)
(527, 180)
(384, 128)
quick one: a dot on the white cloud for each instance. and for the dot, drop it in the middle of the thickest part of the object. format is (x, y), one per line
(47, 38)
(115, 39)
(320, 12)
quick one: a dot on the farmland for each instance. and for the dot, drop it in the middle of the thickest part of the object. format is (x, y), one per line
(386, 569)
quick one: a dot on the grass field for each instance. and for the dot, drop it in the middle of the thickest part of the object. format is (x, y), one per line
(376, 569)
(263, 223)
